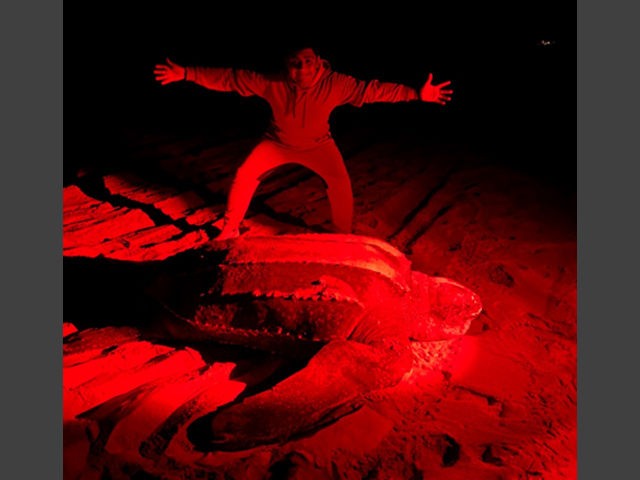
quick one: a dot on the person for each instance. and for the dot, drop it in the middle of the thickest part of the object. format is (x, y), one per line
(302, 97)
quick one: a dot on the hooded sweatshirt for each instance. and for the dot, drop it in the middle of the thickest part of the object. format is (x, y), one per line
(300, 116)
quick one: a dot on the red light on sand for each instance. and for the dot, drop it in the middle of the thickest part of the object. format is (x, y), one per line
(465, 356)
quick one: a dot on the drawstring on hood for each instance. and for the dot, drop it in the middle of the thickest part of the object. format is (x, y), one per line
(300, 94)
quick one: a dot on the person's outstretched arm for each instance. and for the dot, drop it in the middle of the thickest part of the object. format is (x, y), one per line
(244, 82)
(358, 92)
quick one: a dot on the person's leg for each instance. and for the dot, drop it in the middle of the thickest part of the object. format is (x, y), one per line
(341, 201)
(265, 157)
(328, 163)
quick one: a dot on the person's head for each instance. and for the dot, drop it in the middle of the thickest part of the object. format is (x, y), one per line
(302, 65)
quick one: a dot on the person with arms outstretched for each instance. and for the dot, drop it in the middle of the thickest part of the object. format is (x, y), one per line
(302, 98)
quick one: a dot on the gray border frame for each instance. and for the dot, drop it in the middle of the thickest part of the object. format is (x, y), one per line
(31, 86)
(607, 86)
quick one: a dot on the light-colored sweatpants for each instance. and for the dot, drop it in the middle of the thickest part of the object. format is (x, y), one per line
(324, 160)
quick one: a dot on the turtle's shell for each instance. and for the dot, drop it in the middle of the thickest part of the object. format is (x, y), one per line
(273, 291)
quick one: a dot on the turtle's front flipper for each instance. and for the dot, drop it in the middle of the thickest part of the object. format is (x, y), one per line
(340, 373)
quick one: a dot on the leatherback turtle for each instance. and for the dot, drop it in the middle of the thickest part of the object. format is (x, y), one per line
(352, 303)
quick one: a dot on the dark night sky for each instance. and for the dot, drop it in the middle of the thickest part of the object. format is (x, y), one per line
(504, 81)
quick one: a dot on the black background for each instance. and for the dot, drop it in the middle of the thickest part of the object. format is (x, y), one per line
(513, 96)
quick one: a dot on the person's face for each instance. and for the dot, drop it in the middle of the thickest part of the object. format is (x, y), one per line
(303, 66)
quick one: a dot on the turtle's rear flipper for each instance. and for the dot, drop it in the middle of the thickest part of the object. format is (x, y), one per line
(326, 389)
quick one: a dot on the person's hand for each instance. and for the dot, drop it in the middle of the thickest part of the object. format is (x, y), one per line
(434, 93)
(171, 72)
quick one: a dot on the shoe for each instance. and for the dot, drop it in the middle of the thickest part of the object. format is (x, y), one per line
(227, 234)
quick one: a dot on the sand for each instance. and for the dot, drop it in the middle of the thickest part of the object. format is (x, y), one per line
(498, 403)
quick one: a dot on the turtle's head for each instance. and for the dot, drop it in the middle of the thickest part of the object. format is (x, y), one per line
(440, 308)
